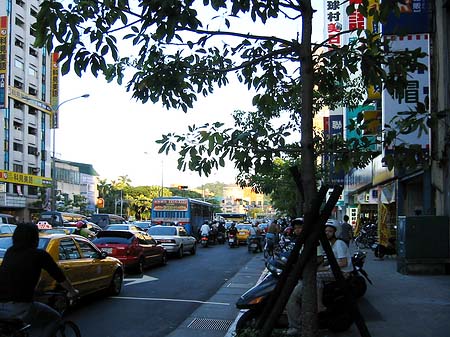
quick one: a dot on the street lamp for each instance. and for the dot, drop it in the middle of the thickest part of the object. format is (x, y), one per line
(53, 168)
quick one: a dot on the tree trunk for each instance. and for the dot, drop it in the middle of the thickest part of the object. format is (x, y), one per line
(308, 165)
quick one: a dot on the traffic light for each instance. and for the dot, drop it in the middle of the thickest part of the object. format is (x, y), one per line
(100, 203)
(182, 187)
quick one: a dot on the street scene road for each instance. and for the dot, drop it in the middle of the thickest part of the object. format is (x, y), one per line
(155, 303)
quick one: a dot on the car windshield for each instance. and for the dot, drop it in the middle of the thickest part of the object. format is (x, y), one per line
(6, 242)
(162, 231)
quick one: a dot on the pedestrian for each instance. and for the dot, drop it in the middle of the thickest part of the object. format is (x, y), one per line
(346, 232)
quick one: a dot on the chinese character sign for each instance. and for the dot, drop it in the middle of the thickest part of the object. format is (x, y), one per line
(417, 88)
(3, 59)
(333, 18)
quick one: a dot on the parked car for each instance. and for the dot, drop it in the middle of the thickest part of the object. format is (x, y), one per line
(104, 220)
(174, 239)
(55, 218)
(124, 227)
(136, 250)
(88, 268)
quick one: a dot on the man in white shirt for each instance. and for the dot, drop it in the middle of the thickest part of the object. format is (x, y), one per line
(324, 274)
(205, 229)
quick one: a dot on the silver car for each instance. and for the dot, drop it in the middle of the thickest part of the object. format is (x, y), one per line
(174, 239)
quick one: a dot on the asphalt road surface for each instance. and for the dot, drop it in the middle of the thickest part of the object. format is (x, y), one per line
(155, 303)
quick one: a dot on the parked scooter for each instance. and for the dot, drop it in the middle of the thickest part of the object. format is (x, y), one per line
(381, 251)
(232, 240)
(337, 317)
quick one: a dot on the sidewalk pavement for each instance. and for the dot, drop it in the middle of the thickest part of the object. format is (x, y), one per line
(396, 305)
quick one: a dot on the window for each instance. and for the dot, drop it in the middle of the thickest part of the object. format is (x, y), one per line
(33, 190)
(68, 250)
(19, 22)
(33, 150)
(87, 250)
(18, 63)
(32, 131)
(32, 32)
(18, 84)
(18, 147)
(18, 168)
(19, 43)
(32, 72)
(21, 3)
(33, 52)
(33, 12)
(32, 111)
(18, 105)
(32, 91)
(17, 126)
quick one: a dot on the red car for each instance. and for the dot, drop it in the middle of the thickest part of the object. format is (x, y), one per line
(136, 250)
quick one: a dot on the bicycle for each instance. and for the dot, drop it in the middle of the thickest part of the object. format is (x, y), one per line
(15, 327)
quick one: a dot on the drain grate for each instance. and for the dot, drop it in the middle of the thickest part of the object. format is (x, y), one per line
(210, 324)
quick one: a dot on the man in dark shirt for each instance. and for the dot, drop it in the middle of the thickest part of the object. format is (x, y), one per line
(19, 275)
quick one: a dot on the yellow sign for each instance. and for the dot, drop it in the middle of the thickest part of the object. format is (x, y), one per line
(19, 95)
(24, 179)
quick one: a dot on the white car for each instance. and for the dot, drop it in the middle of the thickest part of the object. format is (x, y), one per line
(174, 239)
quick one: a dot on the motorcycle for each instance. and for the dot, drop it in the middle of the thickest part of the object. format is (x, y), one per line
(221, 238)
(336, 318)
(232, 241)
(204, 241)
(381, 251)
(367, 236)
(253, 244)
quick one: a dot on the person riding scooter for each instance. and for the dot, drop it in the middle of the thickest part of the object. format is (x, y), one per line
(83, 230)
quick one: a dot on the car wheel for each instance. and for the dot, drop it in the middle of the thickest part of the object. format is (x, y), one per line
(194, 249)
(180, 252)
(116, 283)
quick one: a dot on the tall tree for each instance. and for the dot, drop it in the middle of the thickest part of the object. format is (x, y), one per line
(180, 55)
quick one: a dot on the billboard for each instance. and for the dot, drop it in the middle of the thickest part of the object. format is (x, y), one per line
(414, 18)
(417, 90)
(54, 92)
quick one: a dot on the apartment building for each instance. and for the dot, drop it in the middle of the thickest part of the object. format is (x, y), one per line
(28, 90)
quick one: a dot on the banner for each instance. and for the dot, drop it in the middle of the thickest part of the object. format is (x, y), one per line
(54, 92)
(24, 179)
(3, 61)
(383, 230)
(414, 18)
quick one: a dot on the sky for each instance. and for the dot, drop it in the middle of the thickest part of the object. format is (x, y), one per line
(117, 134)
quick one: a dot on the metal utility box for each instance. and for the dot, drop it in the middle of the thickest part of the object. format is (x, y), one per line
(423, 244)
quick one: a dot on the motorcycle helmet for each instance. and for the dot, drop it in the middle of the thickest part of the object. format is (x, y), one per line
(331, 224)
(297, 221)
(80, 224)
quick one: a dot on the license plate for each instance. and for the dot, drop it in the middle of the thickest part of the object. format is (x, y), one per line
(231, 240)
(242, 233)
(108, 250)
(253, 245)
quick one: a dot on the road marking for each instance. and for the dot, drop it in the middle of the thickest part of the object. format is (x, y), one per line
(142, 279)
(166, 300)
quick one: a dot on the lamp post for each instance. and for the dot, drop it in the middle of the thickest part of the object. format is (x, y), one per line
(53, 164)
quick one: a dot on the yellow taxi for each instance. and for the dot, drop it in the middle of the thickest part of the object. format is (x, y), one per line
(243, 232)
(88, 268)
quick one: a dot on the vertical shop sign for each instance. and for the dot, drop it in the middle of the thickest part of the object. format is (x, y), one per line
(3, 60)
(333, 17)
(416, 91)
(54, 93)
